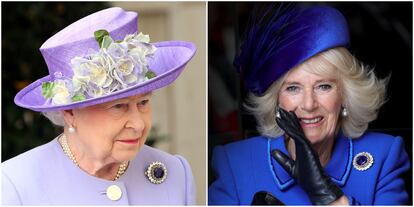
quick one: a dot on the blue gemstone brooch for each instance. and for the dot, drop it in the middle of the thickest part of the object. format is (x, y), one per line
(362, 161)
(156, 172)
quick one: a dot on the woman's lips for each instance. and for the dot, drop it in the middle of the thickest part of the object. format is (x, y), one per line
(311, 122)
(129, 141)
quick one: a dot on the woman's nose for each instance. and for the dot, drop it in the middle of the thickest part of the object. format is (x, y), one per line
(135, 121)
(309, 102)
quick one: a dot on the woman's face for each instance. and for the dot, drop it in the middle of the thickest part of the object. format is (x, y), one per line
(114, 130)
(315, 99)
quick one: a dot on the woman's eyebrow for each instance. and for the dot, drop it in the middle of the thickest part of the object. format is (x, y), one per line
(331, 80)
(121, 100)
(146, 94)
(292, 83)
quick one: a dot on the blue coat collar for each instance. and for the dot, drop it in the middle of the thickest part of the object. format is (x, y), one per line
(338, 168)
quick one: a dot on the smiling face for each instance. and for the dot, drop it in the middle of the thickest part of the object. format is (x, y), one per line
(114, 130)
(316, 100)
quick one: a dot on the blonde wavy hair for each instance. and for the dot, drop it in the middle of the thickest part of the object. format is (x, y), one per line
(362, 93)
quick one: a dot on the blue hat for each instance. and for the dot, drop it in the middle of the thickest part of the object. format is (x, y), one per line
(279, 40)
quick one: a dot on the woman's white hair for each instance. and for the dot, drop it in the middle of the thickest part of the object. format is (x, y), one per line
(362, 93)
(56, 117)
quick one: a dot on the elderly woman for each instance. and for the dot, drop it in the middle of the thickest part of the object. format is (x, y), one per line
(101, 76)
(313, 102)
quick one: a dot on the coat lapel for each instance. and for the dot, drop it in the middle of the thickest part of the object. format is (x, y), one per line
(338, 167)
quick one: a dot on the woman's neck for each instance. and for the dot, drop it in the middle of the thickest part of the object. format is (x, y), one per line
(322, 149)
(99, 169)
(102, 168)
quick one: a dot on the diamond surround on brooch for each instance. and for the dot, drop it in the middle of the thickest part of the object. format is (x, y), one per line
(363, 161)
(156, 172)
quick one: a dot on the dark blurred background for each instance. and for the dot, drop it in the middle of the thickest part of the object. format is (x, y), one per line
(381, 36)
(25, 26)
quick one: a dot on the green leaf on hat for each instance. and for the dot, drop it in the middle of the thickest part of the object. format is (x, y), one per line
(78, 97)
(99, 36)
(150, 74)
(106, 41)
(47, 89)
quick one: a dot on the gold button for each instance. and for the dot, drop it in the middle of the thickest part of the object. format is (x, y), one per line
(114, 192)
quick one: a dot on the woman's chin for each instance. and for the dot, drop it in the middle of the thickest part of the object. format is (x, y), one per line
(126, 155)
(315, 139)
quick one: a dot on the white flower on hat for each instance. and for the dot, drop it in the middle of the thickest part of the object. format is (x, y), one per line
(123, 72)
(117, 51)
(117, 65)
(94, 91)
(61, 93)
(80, 69)
(142, 38)
(138, 38)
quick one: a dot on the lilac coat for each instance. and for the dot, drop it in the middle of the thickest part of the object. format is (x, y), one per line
(46, 176)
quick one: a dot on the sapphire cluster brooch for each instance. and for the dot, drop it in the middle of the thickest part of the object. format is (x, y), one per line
(362, 161)
(156, 172)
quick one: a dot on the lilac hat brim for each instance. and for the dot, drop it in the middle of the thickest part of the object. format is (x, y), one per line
(167, 63)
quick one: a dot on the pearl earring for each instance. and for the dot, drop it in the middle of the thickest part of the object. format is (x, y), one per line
(71, 129)
(344, 112)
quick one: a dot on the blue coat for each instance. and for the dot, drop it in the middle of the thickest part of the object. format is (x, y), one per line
(246, 167)
(46, 176)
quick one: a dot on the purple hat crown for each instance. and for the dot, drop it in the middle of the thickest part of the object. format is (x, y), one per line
(100, 58)
(280, 39)
(77, 39)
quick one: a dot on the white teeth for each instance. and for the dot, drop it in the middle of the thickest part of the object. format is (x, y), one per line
(311, 121)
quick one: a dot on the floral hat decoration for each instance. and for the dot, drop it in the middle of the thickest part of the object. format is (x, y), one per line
(100, 58)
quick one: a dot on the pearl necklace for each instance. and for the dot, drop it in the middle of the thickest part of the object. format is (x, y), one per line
(65, 146)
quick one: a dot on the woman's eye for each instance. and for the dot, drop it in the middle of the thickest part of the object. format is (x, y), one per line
(144, 105)
(120, 106)
(325, 87)
(143, 102)
(118, 109)
(292, 88)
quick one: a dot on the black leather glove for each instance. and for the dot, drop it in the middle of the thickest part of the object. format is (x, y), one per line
(263, 198)
(306, 169)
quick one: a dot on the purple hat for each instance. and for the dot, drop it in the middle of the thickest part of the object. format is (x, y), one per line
(100, 58)
(277, 41)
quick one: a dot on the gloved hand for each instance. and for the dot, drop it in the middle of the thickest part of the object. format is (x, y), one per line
(306, 169)
(263, 198)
